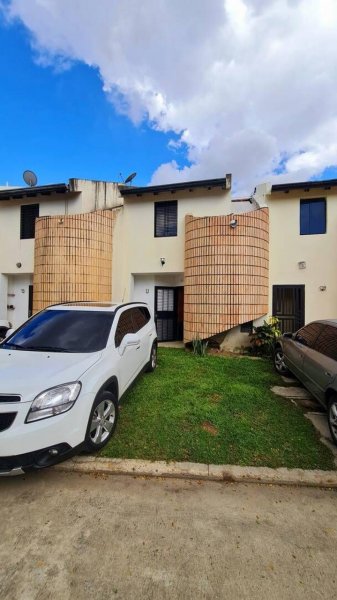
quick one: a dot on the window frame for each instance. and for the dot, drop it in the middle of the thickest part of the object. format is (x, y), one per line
(247, 327)
(157, 206)
(25, 208)
(307, 202)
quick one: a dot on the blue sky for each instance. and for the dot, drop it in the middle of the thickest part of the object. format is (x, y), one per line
(60, 124)
(180, 90)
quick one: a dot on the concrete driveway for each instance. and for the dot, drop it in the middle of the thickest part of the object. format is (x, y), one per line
(80, 536)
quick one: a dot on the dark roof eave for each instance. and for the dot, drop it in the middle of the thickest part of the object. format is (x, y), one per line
(32, 192)
(174, 187)
(305, 185)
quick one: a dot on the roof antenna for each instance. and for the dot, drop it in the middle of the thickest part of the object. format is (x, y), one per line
(29, 178)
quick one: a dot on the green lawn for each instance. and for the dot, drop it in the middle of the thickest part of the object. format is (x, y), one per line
(214, 410)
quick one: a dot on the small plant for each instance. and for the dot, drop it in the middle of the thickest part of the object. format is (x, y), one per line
(264, 337)
(199, 347)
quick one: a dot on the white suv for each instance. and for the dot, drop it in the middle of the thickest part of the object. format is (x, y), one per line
(62, 375)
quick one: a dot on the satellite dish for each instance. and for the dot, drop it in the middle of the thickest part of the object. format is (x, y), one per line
(29, 178)
(130, 178)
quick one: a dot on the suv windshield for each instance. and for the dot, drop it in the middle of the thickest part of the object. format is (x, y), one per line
(63, 331)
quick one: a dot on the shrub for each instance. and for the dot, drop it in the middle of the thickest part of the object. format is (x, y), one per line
(199, 347)
(264, 337)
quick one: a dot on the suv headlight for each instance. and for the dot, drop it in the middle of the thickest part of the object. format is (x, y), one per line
(54, 401)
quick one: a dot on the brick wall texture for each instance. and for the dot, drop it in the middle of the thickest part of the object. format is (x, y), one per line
(226, 272)
(73, 258)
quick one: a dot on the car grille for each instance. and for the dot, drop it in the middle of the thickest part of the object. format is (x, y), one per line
(6, 420)
(9, 398)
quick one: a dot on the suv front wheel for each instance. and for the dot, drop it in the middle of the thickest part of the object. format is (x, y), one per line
(102, 422)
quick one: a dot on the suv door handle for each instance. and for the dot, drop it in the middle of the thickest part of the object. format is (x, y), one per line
(327, 374)
(137, 347)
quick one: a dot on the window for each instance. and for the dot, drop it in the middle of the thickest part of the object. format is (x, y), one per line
(165, 218)
(140, 316)
(313, 216)
(125, 325)
(326, 343)
(29, 212)
(309, 334)
(247, 327)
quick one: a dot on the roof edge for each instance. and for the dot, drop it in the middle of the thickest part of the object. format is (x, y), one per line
(222, 182)
(305, 185)
(31, 192)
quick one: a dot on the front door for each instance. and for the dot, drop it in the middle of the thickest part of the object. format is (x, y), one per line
(169, 313)
(288, 306)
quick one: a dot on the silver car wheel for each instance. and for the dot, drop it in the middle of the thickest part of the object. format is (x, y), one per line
(102, 421)
(279, 361)
(333, 418)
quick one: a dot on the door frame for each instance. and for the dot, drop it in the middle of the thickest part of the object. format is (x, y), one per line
(30, 300)
(177, 326)
(300, 320)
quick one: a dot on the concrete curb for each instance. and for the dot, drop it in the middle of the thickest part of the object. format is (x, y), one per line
(187, 470)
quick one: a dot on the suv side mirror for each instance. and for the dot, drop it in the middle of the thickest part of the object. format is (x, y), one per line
(288, 335)
(130, 339)
(9, 332)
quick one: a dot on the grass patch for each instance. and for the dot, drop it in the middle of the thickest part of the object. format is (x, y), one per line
(163, 416)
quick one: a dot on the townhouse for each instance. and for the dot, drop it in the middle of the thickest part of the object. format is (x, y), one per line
(208, 266)
(302, 250)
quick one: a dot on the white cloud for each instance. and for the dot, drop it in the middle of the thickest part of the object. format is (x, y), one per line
(244, 83)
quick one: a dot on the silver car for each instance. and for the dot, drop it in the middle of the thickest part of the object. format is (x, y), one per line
(311, 355)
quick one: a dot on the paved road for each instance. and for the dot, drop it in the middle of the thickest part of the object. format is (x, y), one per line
(73, 536)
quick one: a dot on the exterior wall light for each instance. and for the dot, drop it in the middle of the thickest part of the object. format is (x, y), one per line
(233, 223)
(302, 264)
(19, 265)
(163, 261)
(322, 288)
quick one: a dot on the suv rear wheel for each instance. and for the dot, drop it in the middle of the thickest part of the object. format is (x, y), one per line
(102, 422)
(151, 365)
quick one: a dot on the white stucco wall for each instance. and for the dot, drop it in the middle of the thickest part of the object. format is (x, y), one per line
(3, 296)
(87, 196)
(12, 248)
(143, 286)
(138, 251)
(96, 195)
(17, 296)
